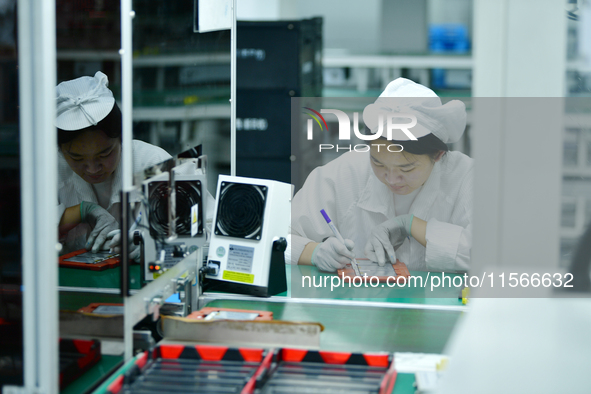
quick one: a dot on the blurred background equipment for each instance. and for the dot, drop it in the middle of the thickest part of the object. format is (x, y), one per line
(275, 62)
(580, 266)
(450, 38)
(181, 78)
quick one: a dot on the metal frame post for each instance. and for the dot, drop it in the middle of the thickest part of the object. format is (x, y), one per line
(38, 160)
(126, 53)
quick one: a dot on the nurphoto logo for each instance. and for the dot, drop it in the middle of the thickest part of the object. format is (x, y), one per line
(345, 128)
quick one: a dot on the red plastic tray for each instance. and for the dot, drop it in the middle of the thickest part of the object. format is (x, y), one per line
(336, 365)
(212, 361)
(76, 357)
(399, 267)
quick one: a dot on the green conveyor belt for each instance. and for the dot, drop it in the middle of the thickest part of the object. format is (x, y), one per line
(364, 329)
(72, 301)
(404, 384)
(106, 366)
(415, 294)
(108, 278)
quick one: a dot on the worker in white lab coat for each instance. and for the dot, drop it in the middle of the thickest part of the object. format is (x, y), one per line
(89, 159)
(401, 199)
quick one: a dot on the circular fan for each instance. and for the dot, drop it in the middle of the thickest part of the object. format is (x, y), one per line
(241, 208)
(188, 193)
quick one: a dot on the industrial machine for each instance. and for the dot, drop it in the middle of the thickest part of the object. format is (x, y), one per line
(248, 237)
(169, 236)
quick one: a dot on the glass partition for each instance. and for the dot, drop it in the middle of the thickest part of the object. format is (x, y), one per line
(88, 38)
(181, 83)
(181, 92)
(181, 111)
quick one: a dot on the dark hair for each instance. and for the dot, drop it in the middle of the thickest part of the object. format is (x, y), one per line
(426, 145)
(110, 125)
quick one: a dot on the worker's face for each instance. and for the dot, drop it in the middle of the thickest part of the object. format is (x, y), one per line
(402, 172)
(93, 155)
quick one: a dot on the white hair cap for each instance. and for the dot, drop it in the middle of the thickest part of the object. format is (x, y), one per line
(83, 102)
(405, 97)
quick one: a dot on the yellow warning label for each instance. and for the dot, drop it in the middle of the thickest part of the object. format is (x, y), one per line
(238, 276)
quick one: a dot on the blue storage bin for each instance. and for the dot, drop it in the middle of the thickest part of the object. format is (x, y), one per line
(447, 39)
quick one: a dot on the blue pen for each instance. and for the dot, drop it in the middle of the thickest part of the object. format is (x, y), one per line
(335, 231)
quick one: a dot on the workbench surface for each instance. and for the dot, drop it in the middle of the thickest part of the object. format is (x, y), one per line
(402, 319)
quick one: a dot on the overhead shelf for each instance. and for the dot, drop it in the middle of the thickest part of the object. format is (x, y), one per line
(206, 111)
(148, 60)
(399, 61)
(390, 65)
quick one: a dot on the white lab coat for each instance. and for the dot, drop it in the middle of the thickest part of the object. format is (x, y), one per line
(72, 189)
(356, 201)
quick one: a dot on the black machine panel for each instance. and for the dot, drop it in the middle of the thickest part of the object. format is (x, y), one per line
(263, 125)
(276, 61)
(280, 55)
(278, 169)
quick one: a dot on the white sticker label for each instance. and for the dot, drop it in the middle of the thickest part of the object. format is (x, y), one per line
(240, 258)
(108, 310)
(228, 315)
(194, 220)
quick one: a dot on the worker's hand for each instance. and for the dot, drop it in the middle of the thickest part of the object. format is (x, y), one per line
(102, 223)
(115, 247)
(331, 254)
(387, 237)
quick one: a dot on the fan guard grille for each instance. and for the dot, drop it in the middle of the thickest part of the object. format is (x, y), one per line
(241, 208)
(188, 193)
